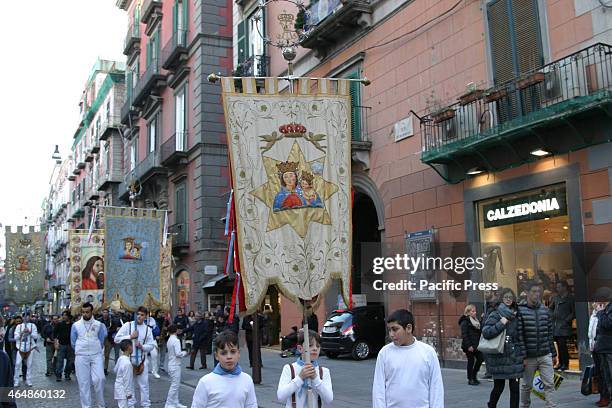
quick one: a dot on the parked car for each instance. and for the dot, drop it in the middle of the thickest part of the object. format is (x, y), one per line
(360, 331)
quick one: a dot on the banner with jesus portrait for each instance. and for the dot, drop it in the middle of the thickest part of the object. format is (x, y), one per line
(291, 167)
(86, 268)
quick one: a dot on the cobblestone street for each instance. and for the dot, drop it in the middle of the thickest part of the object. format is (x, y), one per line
(352, 382)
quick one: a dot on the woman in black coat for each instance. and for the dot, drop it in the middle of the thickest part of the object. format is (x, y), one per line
(470, 334)
(509, 364)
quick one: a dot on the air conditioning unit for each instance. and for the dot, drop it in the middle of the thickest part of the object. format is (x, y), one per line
(564, 81)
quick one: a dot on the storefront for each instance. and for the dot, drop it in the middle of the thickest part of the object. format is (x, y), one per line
(525, 228)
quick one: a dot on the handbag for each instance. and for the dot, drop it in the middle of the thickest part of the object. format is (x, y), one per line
(139, 369)
(588, 378)
(494, 345)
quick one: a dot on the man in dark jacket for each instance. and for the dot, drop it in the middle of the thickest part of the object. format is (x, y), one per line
(535, 323)
(182, 322)
(106, 320)
(247, 326)
(603, 344)
(200, 340)
(64, 349)
(563, 312)
(49, 341)
(6, 381)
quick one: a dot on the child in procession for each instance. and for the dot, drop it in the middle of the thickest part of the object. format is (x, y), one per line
(124, 382)
(227, 386)
(297, 378)
(174, 368)
(407, 373)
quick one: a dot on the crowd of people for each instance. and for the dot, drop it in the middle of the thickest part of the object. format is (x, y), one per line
(535, 339)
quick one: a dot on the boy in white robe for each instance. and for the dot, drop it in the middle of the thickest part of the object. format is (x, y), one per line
(174, 368)
(227, 386)
(298, 377)
(124, 381)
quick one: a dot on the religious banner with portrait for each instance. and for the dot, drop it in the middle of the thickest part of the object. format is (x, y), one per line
(86, 268)
(25, 266)
(138, 264)
(290, 158)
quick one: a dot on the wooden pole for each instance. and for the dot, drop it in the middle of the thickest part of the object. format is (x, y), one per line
(306, 348)
(256, 352)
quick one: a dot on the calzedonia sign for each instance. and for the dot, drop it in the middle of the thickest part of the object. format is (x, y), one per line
(547, 204)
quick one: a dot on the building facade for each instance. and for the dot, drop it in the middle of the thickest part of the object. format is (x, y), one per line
(175, 154)
(474, 106)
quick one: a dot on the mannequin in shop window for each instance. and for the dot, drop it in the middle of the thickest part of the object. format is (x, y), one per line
(492, 255)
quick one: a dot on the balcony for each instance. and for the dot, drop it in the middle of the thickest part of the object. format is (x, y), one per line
(175, 52)
(149, 167)
(151, 13)
(108, 178)
(129, 113)
(561, 107)
(78, 209)
(174, 150)
(334, 20)
(112, 122)
(131, 44)
(89, 155)
(180, 239)
(360, 141)
(256, 66)
(152, 81)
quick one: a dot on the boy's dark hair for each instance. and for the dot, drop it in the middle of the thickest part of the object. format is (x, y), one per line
(143, 309)
(172, 329)
(311, 334)
(125, 344)
(532, 284)
(87, 304)
(402, 317)
(226, 337)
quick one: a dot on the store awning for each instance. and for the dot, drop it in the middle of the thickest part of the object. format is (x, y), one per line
(212, 282)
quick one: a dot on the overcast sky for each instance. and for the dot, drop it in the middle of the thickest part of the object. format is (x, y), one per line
(48, 49)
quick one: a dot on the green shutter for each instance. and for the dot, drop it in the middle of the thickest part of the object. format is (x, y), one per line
(175, 17)
(355, 92)
(527, 35)
(181, 212)
(242, 41)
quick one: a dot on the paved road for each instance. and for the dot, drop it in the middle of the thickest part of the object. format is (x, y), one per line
(352, 383)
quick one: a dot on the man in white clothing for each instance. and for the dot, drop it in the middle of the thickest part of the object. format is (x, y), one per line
(407, 371)
(174, 368)
(87, 338)
(143, 342)
(153, 356)
(25, 340)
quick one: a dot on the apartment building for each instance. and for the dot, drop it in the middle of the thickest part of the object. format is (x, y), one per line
(175, 154)
(474, 106)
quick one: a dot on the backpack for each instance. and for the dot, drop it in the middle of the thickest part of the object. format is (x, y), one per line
(293, 402)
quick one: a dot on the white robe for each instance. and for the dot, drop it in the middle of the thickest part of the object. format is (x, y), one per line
(174, 370)
(225, 391)
(124, 381)
(320, 387)
(407, 377)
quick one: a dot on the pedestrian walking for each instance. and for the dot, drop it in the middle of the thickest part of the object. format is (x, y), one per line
(227, 386)
(87, 339)
(175, 354)
(153, 355)
(106, 320)
(6, 376)
(603, 347)
(61, 331)
(199, 336)
(142, 342)
(26, 335)
(470, 336)
(182, 322)
(604, 397)
(509, 364)
(247, 326)
(563, 311)
(124, 380)
(535, 323)
(407, 373)
(297, 378)
(49, 341)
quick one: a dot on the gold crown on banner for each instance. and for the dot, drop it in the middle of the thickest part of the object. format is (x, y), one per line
(287, 166)
(25, 242)
(292, 130)
(307, 176)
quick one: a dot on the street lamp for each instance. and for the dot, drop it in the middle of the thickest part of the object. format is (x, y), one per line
(56, 155)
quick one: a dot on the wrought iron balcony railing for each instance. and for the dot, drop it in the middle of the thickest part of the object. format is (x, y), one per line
(150, 80)
(110, 122)
(175, 51)
(256, 66)
(174, 150)
(132, 39)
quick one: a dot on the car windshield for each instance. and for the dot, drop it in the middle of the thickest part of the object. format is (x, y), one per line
(342, 320)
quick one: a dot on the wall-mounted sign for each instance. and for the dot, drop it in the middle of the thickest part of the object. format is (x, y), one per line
(421, 244)
(550, 202)
(403, 129)
(210, 270)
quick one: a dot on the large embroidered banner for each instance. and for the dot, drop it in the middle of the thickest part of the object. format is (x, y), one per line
(291, 166)
(25, 266)
(138, 265)
(87, 275)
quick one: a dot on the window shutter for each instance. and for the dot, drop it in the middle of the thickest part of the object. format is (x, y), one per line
(527, 35)
(354, 89)
(175, 17)
(181, 212)
(242, 41)
(501, 41)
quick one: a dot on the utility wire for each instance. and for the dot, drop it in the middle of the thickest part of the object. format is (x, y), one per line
(419, 27)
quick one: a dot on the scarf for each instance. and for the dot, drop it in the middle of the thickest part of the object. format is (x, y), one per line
(306, 383)
(475, 322)
(222, 371)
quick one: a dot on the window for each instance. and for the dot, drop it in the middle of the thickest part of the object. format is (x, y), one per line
(133, 153)
(180, 119)
(250, 41)
(355, 92)
(515, 38)
(179, 22)
(180, 212)
(108, 110)
(97, 135)
(152, 133)
(153, 50)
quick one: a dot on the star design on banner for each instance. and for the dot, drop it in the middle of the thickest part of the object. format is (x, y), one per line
(298, 218)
